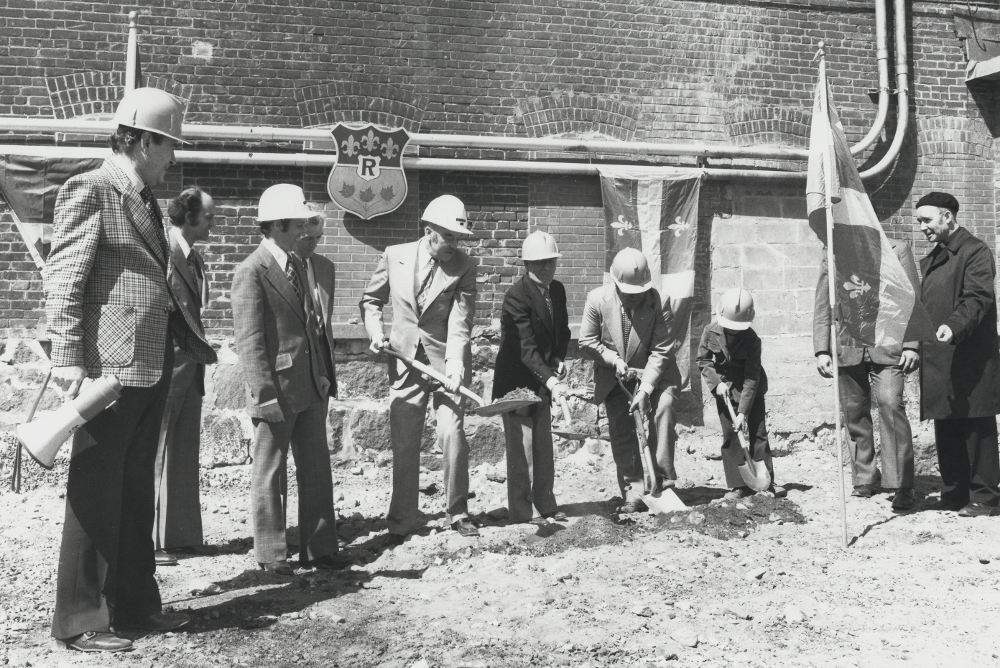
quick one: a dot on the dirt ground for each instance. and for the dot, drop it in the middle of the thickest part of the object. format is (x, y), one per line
(763, 583)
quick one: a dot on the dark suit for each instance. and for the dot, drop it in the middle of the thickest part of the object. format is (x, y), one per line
(734, 358)
(602, 340)
(533, 342)
(960, 381)
(109, 308)
(322, 283)
(867, 373)
(178, 504)
(281, 360)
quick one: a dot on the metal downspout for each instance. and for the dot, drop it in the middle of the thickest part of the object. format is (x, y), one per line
(902, 95)
(882, 57)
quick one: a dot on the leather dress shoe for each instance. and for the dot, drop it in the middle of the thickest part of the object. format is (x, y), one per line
(200, 550)
(279, 567)
(558, 516)
(944, 504)
(331, 562)
(978, 510)
(737, 493)
(904, 499)
(538, 521)
(466, 528)
(637, 506)
(93, 641)
(163, 558)
(865, 491)
(158, 621)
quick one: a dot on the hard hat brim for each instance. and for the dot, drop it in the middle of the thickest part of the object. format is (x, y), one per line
(156, 132)
(457, 229)
(291, 214)
(733, 324)
(542, 256)
(630, 289)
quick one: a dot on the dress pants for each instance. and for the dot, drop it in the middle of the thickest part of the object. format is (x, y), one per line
(408, 397)
(625, 443)
(859, 385)
(530, 461)
(968, 460)
(106, 566)
(758, 445)
(178, 503)
(306, 433)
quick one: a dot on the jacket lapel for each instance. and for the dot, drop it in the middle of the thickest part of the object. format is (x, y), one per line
(613, 318)
(203, 287)
(407, 267)
(179, 264)
(538, 303)
(276, 277)
(642, 320)
(138, 215)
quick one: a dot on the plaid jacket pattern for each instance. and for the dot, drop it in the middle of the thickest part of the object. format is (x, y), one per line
(107, 301)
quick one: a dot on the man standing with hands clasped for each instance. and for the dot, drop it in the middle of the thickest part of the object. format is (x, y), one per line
(432, 287)
(960, 372)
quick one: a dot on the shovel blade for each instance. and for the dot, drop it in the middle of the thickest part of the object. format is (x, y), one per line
(666, 501)
(754, 474)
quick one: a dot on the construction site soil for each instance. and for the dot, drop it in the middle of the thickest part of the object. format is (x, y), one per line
(759, 582)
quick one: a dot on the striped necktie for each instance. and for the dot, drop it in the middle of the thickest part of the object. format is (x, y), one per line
(548, 303)
(626, 325)
(293, 278)
(425, 284)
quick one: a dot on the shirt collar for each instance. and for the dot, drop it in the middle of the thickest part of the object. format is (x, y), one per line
(175, 232)
(280, 256)
(125, 165)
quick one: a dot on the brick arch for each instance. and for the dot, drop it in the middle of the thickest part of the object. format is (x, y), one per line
(578, 114)
(954, 136)
(352, 102)
(779, 126)
(95, 94)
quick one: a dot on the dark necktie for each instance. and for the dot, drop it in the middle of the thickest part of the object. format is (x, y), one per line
(626, 325)
(425, 284)
(150, 201)
(195, 269)
(548, 303)
(293, 278)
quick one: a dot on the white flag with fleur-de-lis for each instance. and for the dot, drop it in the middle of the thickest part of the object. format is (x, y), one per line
(655, 209)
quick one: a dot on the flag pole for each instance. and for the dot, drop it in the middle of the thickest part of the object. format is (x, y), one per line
(831, 273)
(131, 52)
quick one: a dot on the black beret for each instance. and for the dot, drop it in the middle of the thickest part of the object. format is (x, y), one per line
(940, 200)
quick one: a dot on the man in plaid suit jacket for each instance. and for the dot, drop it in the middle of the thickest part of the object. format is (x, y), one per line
(109, 310)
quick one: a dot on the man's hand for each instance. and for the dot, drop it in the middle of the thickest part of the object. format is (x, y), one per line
(560, 369)
(378, 344)
(944, 334)
(559, 391)
(621, 369)
(272, 413)
(722, 389)
(69, 378)
(741, 423)
(910, 361)
(824, 364)
(452, 384)
(640, 402)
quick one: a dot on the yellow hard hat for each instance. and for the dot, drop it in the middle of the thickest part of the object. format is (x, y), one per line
(283, 201)
(539, 246)
(448, 212)
(736, 309)
(153, 110)
(630, 271)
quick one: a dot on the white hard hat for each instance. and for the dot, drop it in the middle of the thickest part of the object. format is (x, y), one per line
(283, 201)
(630, 271)
(736, 309)
(539, 246)
(448, 212)
(153, 110)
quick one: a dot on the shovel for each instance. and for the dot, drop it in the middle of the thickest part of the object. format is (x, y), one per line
(656, 499)
(566, 433)
(754, 473)
(482, 406)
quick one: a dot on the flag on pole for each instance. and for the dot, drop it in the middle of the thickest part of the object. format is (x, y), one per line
(876, 303)
(655, 210)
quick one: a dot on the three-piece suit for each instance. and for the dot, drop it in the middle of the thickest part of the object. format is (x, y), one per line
(281, 357)
(110, 309)
(533, 342)
(867, 374)
(439, 335)
(602, 338)
(960, 381)
(178, 503)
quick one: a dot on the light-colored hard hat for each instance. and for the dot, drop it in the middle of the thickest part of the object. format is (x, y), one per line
(736, 309)
(630, 271)
(153, 110)
(448, 212)
(539, 246)
(283, 201)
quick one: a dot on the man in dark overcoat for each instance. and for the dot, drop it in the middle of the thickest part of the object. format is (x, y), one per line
(960, 372)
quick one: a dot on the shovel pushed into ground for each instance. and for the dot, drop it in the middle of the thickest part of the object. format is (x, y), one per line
(482, 407)
(656, 499)
(754, 473)
(567, 431)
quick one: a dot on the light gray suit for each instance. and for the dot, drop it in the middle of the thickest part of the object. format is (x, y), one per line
(280, 357)
(440, 332)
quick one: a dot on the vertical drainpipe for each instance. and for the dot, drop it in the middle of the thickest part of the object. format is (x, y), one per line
(882, 57)
(902, 94)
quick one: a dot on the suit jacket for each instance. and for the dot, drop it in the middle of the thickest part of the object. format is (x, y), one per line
(278, 350)
(444, 327)
(849, 355)
(739, 364)
(108, 303)
(532, 340)
(960, 379)
(602, 340)
(326, 280)
(192, 295)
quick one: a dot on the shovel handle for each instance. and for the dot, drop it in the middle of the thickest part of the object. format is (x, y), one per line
(432, 373)
(564, 405)
(732, 415)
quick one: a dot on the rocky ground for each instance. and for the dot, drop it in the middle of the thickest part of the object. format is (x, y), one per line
(762, 582)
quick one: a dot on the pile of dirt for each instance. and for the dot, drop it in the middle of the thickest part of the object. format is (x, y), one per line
(732, 519)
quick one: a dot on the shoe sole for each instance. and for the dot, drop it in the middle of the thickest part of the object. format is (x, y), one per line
(71, 646)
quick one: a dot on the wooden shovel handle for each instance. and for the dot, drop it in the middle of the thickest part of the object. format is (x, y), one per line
(432, 373)
(564, 405)
(739, 432)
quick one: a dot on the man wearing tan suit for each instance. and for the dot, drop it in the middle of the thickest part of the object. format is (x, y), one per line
(432, 287)
(178, 506)
(625, 327)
